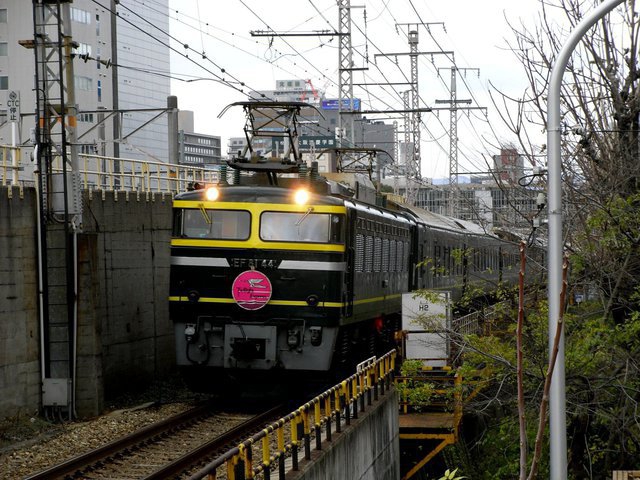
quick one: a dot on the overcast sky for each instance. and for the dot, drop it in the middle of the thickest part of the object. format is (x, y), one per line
(475, 31)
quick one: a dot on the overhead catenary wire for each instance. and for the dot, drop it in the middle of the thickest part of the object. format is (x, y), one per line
(486, 118)
(234, 46)
(422, 122)
(284, 40)
(444, 129)
(200, 23)
(221, 80)
(368, 40)
(216, 75)
(179, 19)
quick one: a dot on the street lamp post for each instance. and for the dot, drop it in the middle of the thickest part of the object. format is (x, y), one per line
(557, 400)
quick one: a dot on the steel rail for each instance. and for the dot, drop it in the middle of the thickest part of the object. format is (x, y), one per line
(81, 462)
(222, 442)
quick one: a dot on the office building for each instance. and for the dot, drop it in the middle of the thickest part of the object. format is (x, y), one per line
(112, 61)
(196, 149)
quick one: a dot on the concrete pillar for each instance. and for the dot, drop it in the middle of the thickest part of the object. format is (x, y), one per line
(172, 115)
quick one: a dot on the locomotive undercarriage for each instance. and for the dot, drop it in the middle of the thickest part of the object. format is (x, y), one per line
(276, 343)
(253, 353)
(213, 354)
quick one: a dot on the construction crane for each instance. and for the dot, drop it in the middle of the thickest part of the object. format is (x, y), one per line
(316, 97)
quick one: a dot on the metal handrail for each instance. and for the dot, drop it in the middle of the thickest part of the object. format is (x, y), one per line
(97, 172)
(337, 405)
(10, 165)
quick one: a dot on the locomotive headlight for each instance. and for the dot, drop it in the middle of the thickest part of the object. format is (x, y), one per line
(301, 197)
(212, 194)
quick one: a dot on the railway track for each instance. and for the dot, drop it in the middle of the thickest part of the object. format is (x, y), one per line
(166, 449)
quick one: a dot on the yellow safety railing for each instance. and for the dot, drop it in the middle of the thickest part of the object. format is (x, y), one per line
(10, 165)
(289, 436)
(109, 173)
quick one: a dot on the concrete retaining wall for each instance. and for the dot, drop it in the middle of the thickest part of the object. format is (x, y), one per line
(125, 338)
(19, 349)
(128, 251)
(368, 450)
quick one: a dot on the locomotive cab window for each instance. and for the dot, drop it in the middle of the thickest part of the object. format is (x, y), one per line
(302, 227)
(213, 224)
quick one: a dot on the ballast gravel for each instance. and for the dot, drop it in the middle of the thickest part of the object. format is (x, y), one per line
(29, 444)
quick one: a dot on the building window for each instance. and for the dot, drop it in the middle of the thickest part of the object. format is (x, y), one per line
(4, 49)
(99, 90)
(3, 15)
(84, 83)
(83, 49)
(80, 16)
(4, 83)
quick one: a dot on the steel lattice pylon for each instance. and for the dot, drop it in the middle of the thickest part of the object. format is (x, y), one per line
(414, 175)
(58, 198)
(345, 78)
(55, 107)
(408, 154)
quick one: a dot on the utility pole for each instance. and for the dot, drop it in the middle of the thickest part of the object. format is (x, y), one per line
(59, 201)
(345, 69)
(175, 150)
(414, 173)
(413, 161)
(454, 201)
(395, 157)
(408, 156)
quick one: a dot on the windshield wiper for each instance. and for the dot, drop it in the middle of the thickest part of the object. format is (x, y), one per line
(303, 217)
(205, 214)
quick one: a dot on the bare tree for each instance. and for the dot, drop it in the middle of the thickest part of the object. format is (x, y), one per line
(600, 116)
(601, 170)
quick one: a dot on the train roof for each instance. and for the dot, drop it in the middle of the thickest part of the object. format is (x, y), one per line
(258, 194)
(442, 221)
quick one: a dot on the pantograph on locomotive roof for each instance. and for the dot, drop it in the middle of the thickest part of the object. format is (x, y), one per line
(355, 159)
(272, 120)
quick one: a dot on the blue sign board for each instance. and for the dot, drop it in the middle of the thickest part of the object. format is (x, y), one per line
(332, 104)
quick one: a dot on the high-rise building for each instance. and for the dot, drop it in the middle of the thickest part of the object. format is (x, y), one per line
(113, 61)
(142, 42)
